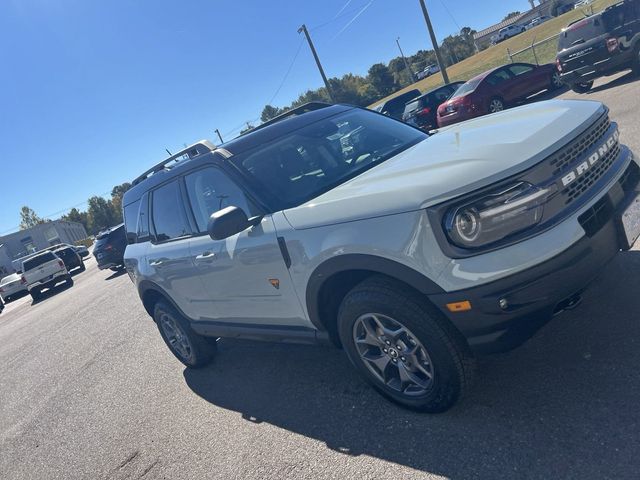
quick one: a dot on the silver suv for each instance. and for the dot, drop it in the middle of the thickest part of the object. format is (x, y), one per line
(410, 252)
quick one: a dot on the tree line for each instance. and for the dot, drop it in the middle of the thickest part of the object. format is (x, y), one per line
(101, 213)
(381, 79)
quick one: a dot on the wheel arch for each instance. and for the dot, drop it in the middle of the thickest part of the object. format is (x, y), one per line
(150, 293)
(334, 278)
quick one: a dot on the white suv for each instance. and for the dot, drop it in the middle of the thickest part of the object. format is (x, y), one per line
(410, 252)
(508, 32)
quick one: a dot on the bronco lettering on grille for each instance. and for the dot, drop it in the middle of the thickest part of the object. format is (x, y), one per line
(592, 160)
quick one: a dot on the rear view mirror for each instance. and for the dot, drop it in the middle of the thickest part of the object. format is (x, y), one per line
(229, 221)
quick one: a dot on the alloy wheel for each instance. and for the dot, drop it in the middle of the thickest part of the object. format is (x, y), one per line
(496, 105)
(176, 337)
(556, 80)
(393, 354)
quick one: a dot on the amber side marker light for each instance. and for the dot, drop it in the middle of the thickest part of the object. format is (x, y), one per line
(459, 306)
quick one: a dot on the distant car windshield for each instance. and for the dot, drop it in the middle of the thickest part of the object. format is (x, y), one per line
(581, 31)
(411, 106)
(465, 88)
(36, 261)
(314, 159)
(64, 252)
(11, 278)
(105, 237)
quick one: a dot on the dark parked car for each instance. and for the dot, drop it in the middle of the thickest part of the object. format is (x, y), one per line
(496, 90)
(70, 258)
(109, 248)
(395, 106)
(600, 45)
(422, 112)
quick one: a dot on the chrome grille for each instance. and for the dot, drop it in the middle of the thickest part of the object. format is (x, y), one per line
(565, 157)
(591, 176)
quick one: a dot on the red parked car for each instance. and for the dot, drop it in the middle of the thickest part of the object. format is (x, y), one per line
(496, 90)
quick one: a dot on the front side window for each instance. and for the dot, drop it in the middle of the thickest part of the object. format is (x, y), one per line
(167, 213)
(310, 161)
(520, 69)
(496, 78)
(210, 190)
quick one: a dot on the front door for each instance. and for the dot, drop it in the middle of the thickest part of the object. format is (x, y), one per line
(245, 275)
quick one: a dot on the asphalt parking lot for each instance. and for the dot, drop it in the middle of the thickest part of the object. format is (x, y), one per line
(88, 390)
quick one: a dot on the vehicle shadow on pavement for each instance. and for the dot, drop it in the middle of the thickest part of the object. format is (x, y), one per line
(44, 296)
(616, 82)
(117, 274)
(564, 405)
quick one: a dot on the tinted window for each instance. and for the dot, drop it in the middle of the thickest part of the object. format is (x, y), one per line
(37, 261)
(210, 190)
(131, 221)
(498, 77)
(307, 162)
(110, 236)
(581, 31)
(143, 220)
(410, 107)
(65, 253)
(468, 87)
(520, 69)
(167, 213)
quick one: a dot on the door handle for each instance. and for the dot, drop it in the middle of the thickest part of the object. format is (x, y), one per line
(206, 257)
(157, 262)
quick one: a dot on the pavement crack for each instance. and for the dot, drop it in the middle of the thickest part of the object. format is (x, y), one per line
(148, 469)
(129, 459)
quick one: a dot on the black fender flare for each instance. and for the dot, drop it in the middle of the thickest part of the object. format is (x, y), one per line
(361, 262)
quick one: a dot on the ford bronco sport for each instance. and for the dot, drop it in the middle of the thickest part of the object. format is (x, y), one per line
(599, 45)
(410, 252)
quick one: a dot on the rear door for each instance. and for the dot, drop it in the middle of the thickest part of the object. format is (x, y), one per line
(168, 256)
(527, 80)
(501, 84)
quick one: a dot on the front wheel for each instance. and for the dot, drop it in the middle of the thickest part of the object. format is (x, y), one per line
(402, 346)
(68, 281)
(556, 81)
(193, 350)
(82, 267)
(35, 294)
(582, 87)
(496, 105)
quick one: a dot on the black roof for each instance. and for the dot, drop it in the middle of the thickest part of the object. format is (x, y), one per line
(263, 134)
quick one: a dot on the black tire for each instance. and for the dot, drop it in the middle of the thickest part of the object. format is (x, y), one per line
(451, 362)
(555, 83)
(635, 64)
(201, 350)
(82, 267)
(35, 294)
(582, 87)
(493, 105)
(68, 281)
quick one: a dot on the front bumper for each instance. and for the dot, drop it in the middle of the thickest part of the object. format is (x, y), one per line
(535, 295)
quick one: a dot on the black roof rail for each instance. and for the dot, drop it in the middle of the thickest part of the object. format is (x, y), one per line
(307, 107)
(192, 151)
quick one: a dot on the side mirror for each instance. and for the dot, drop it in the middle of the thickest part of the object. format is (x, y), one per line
(229, 221)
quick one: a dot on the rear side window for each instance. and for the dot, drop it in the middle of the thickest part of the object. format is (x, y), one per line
(520, 69)
(468, 87)
(131, 221)
(168, 216)
(143, 220)
(35, 262)
(496, 78)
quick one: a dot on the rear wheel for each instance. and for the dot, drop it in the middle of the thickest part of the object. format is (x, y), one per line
(496, 104)
(403, 347)
(582, 87)
(193, 350)
(35, 294)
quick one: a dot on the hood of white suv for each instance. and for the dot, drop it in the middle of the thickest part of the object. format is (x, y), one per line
(455, 161)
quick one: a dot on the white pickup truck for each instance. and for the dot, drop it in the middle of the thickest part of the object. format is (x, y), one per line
(42, 271)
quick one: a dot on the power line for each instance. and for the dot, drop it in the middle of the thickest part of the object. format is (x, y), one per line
(338, 16)
(284, 79)
(449, 12)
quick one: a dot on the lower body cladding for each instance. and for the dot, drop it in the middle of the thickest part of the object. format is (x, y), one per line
(501, 315)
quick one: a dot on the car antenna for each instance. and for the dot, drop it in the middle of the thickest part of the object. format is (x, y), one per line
(167, 150)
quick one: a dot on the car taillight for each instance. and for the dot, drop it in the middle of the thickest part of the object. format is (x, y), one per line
(61, 263)
(558, 64)
(424, 111)
(612, 44)
(23, 280)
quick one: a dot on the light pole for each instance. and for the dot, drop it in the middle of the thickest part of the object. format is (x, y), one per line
(303, 28)
(406, 64)
(434, 42)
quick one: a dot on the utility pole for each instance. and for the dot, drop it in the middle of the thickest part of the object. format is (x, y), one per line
(434, 42)
(219, 136)
(303, 28)
(406, 64)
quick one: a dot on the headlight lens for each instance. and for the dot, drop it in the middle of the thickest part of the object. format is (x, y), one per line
(495, 216)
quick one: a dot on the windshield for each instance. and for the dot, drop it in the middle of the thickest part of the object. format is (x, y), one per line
(468, 87)
(64, 253)
(37, 261)
(310, 161)
(410, 107)
(580, 32)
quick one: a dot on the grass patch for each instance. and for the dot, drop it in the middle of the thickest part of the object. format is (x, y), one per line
(496, 55)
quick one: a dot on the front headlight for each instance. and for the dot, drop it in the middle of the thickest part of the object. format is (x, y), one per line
(496, 216)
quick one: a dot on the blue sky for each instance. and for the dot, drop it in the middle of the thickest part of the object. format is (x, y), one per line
(92, 92)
